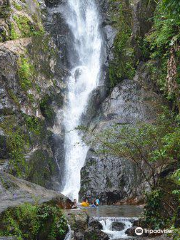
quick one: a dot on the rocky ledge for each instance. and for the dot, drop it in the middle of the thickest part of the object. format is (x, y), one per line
(14, 191)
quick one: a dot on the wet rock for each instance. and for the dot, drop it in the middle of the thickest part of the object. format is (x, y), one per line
(90, 234)
(78, 236)
(95, 225)
(131, 231)
(118, 226)
(78, 220)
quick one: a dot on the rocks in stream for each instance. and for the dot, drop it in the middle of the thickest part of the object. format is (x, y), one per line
(82, 227)
(118, 226)
(94, 231)
(91, 233)
(95, 224)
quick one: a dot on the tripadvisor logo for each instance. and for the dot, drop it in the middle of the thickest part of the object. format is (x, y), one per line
(139, 231)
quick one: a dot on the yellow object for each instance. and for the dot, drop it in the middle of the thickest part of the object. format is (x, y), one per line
(85, 204)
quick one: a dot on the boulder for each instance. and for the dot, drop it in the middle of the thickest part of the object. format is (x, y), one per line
(15, 191)
(90, 234)
(78, 220)
(131, 231)
(95, 225)
(118, 226)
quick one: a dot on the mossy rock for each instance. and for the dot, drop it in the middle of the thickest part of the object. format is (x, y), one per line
(41, 168)
(47, 110)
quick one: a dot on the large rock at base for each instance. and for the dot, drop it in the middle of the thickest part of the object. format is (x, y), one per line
(78, 219)
(14, 191)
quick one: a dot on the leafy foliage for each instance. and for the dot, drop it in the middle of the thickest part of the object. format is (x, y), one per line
(31, 222)
(122, 65)
(155, 149)
(164, 49)
(156, 145)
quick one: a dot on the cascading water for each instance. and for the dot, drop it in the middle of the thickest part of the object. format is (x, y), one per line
(83, 20)
(114, 234)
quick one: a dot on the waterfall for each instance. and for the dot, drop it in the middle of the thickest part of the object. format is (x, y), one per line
(114, 234)
(83, 20)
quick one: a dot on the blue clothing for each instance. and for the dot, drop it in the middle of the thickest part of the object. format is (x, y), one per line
(93, 205)
(97, 201)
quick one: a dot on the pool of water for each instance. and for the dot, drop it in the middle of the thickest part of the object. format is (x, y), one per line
(115, 211)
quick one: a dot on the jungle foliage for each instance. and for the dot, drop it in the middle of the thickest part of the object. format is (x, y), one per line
(31, 222)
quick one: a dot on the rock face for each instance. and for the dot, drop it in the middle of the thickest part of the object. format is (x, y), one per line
(31, 90)
(113, 179)
(14, 191)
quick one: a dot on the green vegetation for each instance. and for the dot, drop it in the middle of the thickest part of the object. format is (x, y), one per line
(25, 72)
(150, 146)
(33, 222)
(164, 50)
(14, 34)
(17, 142)
(17, 6)
(19, 139)
(26, 27)
(155, 145)
(122, 66)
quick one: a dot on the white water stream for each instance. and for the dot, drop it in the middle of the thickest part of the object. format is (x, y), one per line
(83, 20)
(113, 234)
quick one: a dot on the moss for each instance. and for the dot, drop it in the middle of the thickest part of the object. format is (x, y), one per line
(13, 33)
(13, 97)
(33, 124)
(41, 160)
(30, 131)
(17, 143)
(17, 6)
(25, 72)
(24, 24)
(46, 49)
(26, 27)
(33, 222)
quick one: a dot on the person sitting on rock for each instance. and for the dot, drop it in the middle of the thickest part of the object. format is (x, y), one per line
(74, 204)
(93, 203)
(85, 203)
(97, 202)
